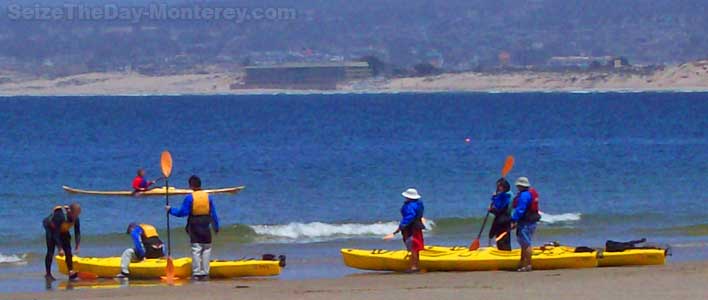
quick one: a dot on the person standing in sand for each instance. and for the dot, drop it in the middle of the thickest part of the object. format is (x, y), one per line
(501, 202)
(199, 207)
(411, 226)
(524, 218)
(56, 232)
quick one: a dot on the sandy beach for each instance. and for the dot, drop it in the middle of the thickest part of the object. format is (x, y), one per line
(685, 77)
(671, 281)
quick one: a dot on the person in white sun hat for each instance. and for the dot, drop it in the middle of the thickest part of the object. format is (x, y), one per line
(411, 226)
(524, 218)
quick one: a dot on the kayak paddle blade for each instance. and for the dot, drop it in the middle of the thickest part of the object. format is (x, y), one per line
(166, 163)
(508, 164)
(169, 271)
(474, 245)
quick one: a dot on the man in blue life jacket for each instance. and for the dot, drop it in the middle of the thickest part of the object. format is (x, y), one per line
(56, 233)
(524, 218)
(146, 244)
(201, 213)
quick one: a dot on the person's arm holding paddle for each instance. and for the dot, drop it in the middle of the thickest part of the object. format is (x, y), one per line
(184, 210)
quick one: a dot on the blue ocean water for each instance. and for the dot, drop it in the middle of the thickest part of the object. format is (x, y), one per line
(325, 171)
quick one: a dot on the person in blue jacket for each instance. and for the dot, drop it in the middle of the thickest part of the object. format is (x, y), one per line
(201, 213)
(146, 244)
(524, 218)
(501, 202)
(411, 226)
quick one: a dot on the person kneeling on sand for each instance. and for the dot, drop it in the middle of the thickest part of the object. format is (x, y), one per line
(411, 226)
(524, 219)
(202, 216)
(147, 244)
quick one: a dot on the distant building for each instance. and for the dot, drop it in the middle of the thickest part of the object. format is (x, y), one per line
(587, 62)
(305, 75)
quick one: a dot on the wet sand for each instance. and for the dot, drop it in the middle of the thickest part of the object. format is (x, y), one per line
(672, 281)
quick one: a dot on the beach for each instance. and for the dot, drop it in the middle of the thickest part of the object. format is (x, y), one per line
(672, 281)
(691, 76)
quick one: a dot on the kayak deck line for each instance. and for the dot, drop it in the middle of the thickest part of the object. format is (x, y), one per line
(153, 192)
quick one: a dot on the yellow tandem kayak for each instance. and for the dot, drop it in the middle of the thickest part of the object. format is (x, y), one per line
(153, 192)
(108, 267)
(460, 259)
(630, 257)
(438, 258)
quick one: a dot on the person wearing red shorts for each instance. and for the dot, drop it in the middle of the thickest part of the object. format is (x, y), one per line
(411, 226)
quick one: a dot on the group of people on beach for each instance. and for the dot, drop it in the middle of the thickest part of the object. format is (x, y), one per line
(521, 213)
(198, 207)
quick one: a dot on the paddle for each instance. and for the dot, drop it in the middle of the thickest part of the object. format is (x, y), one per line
(166, 165)
(508, 164)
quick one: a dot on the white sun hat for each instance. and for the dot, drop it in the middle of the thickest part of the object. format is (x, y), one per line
(523, 181)
(411, 194)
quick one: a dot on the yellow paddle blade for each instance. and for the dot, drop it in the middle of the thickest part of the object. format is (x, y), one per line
(508, 164)
(166, 163)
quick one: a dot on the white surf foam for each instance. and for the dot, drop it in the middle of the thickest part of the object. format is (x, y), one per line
(560, 218)
(13, 259)
(319, 230)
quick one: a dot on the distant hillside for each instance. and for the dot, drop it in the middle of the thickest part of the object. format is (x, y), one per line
(454, 34)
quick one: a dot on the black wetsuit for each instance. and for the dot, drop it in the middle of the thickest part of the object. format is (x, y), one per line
(56, 238)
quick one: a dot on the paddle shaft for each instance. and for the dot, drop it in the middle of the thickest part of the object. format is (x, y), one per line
(484, 223)
(167, 202)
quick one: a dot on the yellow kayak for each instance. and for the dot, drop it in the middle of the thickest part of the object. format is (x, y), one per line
(160, 191)
(461, 259)
(631, 257)
(108, 267)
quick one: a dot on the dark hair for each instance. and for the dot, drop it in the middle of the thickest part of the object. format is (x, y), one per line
(504, 184)
(140, 170)
(194, 181)
(131, 226)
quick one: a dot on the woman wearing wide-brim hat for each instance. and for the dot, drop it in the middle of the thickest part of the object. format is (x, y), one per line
(411, 226)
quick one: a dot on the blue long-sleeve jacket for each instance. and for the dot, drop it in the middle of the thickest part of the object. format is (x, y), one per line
(521, 207)
(501, 201)
(411, 211)
(186, 210)
(137, 235)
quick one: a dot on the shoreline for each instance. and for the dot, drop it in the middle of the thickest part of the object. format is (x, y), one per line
(689, 77)
(670, 281)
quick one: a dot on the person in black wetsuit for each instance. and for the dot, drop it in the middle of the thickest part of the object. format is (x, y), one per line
(56, 229)
(501, 202)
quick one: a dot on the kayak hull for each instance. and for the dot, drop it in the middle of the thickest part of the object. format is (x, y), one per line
(153, 192)
(450, 259)
(108, 267)
(632, 257)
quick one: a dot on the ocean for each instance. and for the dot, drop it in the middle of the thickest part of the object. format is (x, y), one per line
(325, 171)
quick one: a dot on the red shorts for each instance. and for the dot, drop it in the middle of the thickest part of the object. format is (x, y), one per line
(414, 242)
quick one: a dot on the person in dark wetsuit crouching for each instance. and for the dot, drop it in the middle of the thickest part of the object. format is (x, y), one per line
(56, 229)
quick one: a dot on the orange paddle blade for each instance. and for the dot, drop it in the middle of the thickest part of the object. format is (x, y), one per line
(166, 163)
(170, 270)
(87, 276)
(474, 245)
(508, 164)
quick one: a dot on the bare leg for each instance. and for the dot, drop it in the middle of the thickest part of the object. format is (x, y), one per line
(415, 260)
